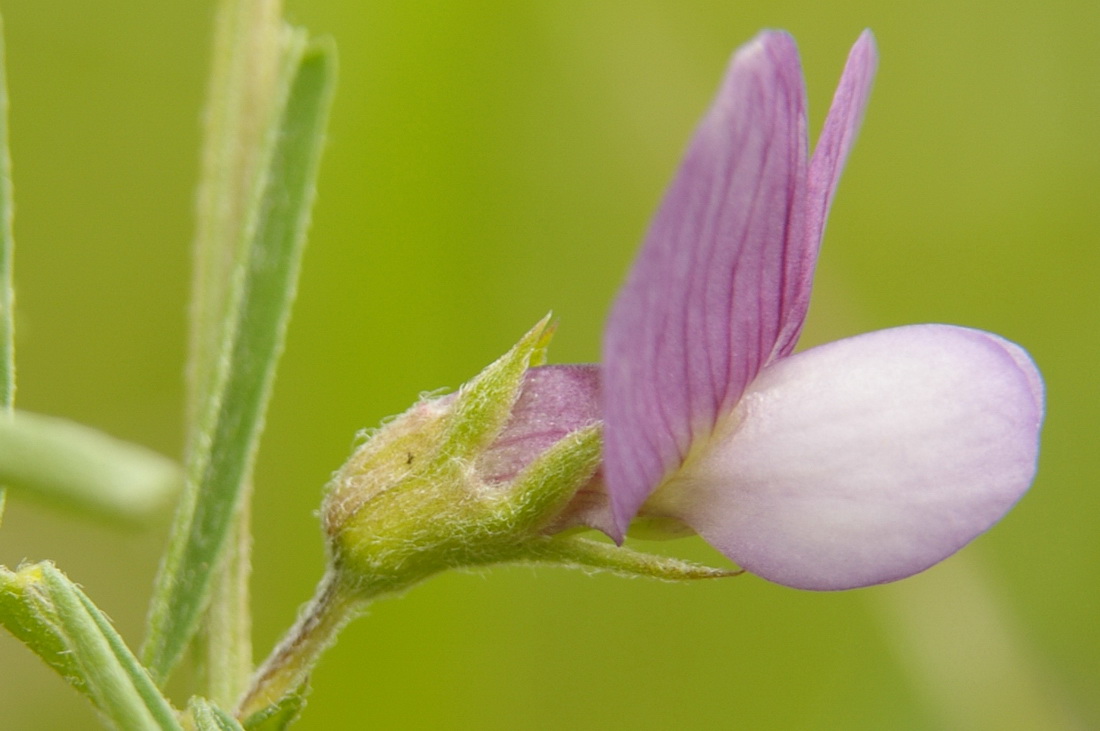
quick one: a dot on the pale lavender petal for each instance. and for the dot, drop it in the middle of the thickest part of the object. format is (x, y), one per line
(701, 309)
(866, 460)
(553, 402)
(837, 137)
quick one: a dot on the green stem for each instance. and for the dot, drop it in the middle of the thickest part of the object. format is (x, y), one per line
(338, 600)
(287, 669)
(227, 638)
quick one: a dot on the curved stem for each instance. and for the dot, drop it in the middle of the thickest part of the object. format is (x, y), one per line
(287, 669)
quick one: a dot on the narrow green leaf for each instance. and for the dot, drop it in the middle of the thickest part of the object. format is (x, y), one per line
(483, 406)
(59, 622)
(75, 466)
(208, 717)
(252, 48)
(221, 472)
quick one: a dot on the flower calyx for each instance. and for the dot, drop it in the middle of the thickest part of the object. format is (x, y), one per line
(418, 496)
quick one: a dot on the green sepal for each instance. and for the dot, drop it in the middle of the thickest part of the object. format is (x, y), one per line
(585, 553)
(482, 407)
(539, 493)
(60, 623)
(410, 502)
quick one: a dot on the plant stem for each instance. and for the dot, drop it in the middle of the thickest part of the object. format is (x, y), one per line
(228, 632)
(240, 99)
(287, 669)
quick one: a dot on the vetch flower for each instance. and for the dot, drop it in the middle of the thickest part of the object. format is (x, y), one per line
(850, 464)
(854, 463)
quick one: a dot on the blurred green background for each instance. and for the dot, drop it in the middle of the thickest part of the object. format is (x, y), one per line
(488, 162)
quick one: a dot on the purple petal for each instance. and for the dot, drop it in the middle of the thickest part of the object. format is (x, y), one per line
(837, 136)
(702, 308)
(866, 460)
(553, 402)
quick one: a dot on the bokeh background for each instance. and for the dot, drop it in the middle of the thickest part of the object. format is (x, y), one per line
(490, 161)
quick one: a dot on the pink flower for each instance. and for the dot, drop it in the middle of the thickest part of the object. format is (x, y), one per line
(854, 463)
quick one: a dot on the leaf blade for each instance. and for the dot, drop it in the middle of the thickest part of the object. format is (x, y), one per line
(61, 624)
(262, 312)
(75, 466)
